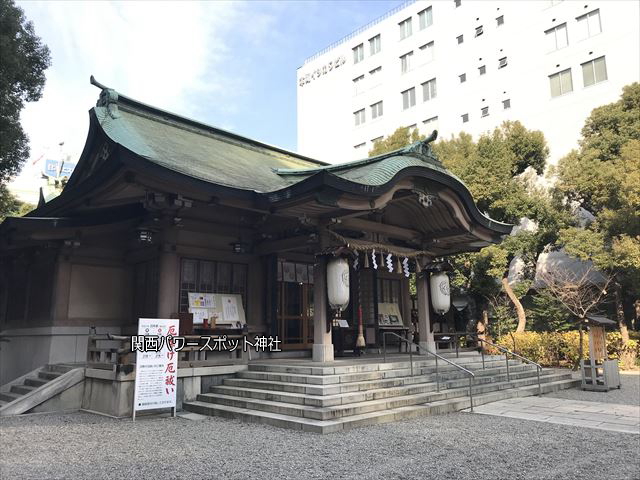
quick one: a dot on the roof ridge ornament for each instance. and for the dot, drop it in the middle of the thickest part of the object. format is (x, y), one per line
(108, 98)
(422, 148)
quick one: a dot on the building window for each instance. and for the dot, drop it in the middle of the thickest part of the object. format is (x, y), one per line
(389, 291)
(405, 62)
(374, 76)
(462, 77)
(506, 104)
(457, 3)
(594, 71)
(408, 98)
(200, 276)
(479, 31)
(429, 90)
(460, 39)
(358, 53)
(482, 70)
(561, 83)
(357, 84)
(430, 122)
(425, 18)
(556, 37)
(405, 28)
(502, 62)
(484, 112)
(589, 24)
(426, 51)
(465, 118)
(376, 110)
(359, 146)
(359, 117)
(500, 20)
(374, 45)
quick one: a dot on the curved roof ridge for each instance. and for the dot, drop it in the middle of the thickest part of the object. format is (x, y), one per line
(420, 149)
(112, 97)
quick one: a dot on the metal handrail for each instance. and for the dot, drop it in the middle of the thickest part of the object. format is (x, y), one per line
(409, 343)
(506, 351)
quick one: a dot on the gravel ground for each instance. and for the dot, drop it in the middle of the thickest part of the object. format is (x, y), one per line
(455, 446)
(628, 394)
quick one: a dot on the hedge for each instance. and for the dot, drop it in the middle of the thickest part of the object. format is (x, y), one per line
(554, 349)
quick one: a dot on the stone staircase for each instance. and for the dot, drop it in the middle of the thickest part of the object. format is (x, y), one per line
(35, 386)
(325, 399)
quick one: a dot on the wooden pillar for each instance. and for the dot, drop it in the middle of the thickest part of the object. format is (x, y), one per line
(322, 345)
(424, 322)
(168, 281)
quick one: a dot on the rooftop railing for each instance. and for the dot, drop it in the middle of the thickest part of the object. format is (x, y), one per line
(359, 31)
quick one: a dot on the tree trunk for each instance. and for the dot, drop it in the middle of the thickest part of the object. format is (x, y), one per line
(481, 327)
(622, 324)
(522, 317)
(581, 345)
(636, 307)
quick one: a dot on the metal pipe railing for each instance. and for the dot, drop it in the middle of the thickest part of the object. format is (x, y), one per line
(409, 343)
(507, 352)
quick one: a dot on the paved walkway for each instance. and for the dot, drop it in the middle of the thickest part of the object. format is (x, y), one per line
(603, 416)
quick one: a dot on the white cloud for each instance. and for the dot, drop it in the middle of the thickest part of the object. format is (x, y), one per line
(173, 55)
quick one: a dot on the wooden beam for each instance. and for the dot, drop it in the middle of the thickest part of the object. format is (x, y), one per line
(382, 228)
(285, 244)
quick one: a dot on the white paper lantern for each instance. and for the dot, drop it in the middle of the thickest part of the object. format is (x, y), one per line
(440, 296)
(338, 283)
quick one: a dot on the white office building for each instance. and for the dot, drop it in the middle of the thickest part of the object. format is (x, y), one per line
(467, 66)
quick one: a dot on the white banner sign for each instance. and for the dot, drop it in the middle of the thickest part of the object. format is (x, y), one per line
(156, 368)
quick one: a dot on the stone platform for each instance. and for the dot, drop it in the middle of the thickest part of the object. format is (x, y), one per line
(353, 392)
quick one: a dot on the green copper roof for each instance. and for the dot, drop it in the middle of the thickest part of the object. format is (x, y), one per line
(201, 152)
(222, 158)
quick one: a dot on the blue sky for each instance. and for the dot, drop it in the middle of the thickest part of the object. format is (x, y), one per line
(229, 64)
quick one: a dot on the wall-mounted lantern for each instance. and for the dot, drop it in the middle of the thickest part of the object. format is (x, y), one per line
(239, 247)
(145, 235)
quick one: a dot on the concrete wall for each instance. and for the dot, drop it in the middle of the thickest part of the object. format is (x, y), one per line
(26, 349)
(112, 393)
(78, 296)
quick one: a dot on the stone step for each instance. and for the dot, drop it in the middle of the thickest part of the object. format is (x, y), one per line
(393, 364)
(338, 411)
(45, 375)
(395, 414)
(258, 390)
(22, 389)
(9, 397)
(343, 378)
(60, 367)
(261, 380)
(35, 382)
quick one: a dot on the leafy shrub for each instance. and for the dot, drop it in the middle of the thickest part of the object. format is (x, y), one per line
(562, 348)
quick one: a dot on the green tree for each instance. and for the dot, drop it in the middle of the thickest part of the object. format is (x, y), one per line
(402, 137)
(23, 61)
(497, 170)
(10, 205)
(603, 177)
